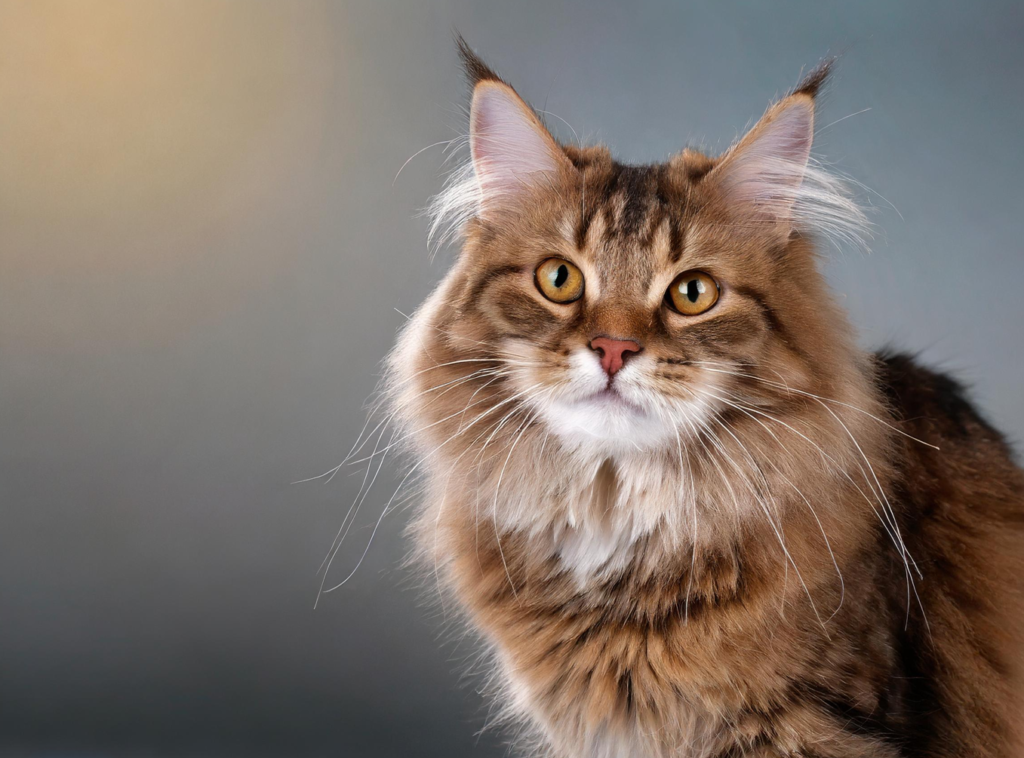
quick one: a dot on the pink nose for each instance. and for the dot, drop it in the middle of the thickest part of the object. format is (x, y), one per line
(613, 352)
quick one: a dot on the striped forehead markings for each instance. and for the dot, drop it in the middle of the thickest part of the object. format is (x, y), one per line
(635, 202)
(635, 187)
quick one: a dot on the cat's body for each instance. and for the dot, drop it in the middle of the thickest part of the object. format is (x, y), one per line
(717, 534)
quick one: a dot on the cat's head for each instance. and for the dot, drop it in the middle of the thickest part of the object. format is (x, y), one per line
(620, 306)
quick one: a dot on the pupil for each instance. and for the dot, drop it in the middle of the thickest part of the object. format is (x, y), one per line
(561, 275)
(692, 290)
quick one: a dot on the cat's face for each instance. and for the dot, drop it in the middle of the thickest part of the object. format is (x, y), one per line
(617, 303)
(623, 304)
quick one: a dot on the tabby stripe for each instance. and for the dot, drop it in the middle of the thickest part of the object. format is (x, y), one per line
(584, 228)
(496, 273)
(675, 241)
(636, 192)
(769, 313)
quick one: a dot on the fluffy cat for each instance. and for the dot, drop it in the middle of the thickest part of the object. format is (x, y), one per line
(686, 514)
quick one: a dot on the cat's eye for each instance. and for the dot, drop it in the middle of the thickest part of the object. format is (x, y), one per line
(691, 293)
(559, 281)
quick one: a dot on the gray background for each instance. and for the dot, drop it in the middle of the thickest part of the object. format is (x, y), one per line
(202, 247)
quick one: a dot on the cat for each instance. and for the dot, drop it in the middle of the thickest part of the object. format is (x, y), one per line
(686, 515)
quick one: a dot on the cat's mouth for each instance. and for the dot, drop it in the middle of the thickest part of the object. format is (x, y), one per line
(612, 398)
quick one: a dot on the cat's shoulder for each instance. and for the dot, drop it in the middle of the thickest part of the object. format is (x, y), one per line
(931, 404)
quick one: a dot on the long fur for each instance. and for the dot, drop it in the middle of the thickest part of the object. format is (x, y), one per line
(754, 539)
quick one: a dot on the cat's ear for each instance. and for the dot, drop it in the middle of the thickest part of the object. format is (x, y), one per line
(511, 148)
(764, 173)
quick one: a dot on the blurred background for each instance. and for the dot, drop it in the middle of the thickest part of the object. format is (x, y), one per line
(204, 253)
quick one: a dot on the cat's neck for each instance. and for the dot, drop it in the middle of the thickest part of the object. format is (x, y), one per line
(594, 516)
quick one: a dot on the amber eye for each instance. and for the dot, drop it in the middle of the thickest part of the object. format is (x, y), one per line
(559, 281)
(692, 293)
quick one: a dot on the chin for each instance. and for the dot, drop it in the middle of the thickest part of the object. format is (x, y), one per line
(607, 424)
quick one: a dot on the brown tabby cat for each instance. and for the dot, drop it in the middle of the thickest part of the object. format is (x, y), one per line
(688, 516)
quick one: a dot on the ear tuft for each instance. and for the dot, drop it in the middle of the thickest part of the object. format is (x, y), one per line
(511, 152)
(476, 70)
(770, 177)
(812, 84)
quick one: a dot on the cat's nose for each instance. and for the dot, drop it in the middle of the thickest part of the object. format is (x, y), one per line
(613, 352)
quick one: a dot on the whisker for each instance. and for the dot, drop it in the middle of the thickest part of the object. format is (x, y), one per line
(340, 538)
(787, 388)
(837, 468)
(787, 480)
(765, 509)
(361, 496)
(418, 152)
(887, 517)
(497, 491)
(693, 544)
(373, 534)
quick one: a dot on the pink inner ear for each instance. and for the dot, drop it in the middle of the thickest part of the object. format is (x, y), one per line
(509, 146)
(767, 168)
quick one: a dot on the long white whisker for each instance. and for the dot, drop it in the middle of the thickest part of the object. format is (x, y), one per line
(342, 530)
(778, 470)
(908, 560)
(336, 547)
(839, 468)
(418, 152)
(497, 490)
(354, 511)
(886, 517)
(787, 388)
(767, 512)
(374, 532)
(693, 510)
